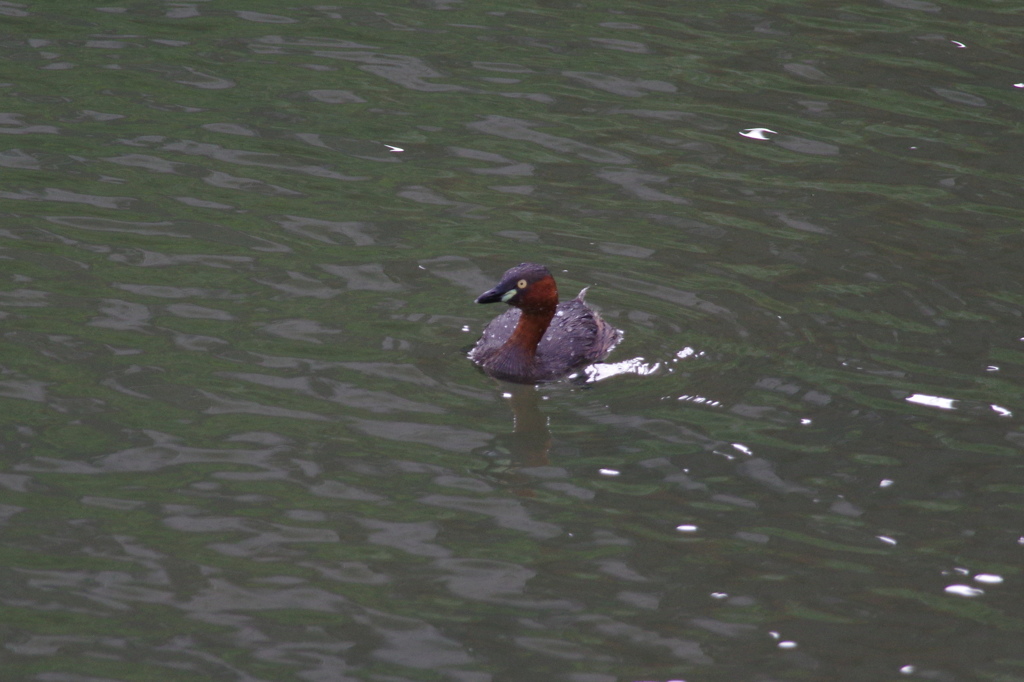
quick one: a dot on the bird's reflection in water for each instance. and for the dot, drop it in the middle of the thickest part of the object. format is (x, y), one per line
(530, 439)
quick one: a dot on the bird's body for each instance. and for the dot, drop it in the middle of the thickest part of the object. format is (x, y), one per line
(539, 339)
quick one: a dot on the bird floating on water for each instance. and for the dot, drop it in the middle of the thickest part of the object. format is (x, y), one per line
(539, 339)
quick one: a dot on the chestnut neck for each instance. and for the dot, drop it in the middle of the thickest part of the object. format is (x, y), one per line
(530, 329)
(537, 307)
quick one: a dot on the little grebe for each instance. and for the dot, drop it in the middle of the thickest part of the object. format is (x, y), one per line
(538, 338)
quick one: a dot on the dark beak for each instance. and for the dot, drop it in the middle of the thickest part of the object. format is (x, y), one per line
(491, 295)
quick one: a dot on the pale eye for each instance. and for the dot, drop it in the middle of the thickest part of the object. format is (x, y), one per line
(521, 284)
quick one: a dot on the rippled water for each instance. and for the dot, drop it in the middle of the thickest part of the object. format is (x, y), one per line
(241, 439)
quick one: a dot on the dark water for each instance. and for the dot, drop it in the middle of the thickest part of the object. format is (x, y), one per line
(241, 439)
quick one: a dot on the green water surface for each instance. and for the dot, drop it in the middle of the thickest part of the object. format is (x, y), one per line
(241, 440)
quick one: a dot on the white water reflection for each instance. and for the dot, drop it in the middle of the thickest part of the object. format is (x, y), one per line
(964, 590)
(758, 133)
(989, 578)
(952, 404)
(699, 400)
(932, 401)
(606, 370)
